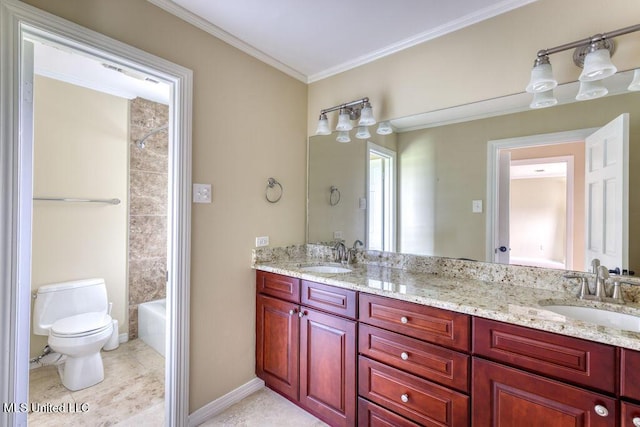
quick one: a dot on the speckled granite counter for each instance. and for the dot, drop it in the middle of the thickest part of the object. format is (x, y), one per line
(516, 295)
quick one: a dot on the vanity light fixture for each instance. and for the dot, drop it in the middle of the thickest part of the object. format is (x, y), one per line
(384, 128)
(593, 55)
(359, 109)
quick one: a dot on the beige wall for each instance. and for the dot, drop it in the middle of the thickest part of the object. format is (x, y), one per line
(249, 123)
(489, 59)
(80, 151)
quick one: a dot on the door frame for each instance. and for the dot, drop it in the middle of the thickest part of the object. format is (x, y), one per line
(493, 151)
(16, 20)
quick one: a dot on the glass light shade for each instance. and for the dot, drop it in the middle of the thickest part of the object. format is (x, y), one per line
(635, 83)
(591, 90)
(323, 126)
(384, 128)
(344, 121)
(597, 66)
(543, 99)
(343, 136)
(542, 79)
(366, 116)
(363, 132)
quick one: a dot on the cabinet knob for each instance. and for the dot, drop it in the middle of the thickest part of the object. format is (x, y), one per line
(404, 356)
(636, 421)
(301, 314)
(601, 410)
(292, 311)
(404, 398)
(404, 319)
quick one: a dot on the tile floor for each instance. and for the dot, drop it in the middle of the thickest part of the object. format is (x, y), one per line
(264, 408)
(132, 393)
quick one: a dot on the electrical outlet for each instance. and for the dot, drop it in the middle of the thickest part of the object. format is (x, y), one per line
(337, 234)
(201, 193)
(262, 241)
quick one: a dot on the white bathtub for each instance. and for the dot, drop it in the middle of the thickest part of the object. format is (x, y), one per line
(152, 317)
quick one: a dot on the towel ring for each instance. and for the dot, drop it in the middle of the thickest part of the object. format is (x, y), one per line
(334, 196)
(271, 183)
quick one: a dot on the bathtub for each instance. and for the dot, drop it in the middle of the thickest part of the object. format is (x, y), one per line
(152, 317)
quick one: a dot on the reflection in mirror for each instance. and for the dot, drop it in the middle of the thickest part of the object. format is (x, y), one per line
(441, 174)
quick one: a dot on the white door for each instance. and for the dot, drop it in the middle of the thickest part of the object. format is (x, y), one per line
(501, 244)
(607, 194)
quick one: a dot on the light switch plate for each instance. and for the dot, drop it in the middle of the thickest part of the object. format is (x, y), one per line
(201, 193)
(476, 206)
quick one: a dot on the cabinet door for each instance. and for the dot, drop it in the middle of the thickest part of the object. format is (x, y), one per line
(630, 415)
(372, 415)
(506, 397)
(630, 374)
(328, 367)
(277, 346)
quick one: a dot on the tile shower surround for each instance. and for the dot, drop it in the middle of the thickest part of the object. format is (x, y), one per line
(507, 293)
(148, 186)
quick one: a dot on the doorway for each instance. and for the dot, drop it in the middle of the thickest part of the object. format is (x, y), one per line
(21, 22)
(381, 195)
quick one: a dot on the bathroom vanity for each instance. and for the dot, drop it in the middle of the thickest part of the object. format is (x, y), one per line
(387, 346)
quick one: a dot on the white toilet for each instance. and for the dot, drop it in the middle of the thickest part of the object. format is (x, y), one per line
(75, 317)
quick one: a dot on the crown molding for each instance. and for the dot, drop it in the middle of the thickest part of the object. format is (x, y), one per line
(440, 31)
(204, 25)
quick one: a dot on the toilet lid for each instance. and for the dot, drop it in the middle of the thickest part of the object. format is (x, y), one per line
(81, 324)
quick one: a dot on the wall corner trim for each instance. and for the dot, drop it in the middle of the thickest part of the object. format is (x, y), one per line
(215, 407)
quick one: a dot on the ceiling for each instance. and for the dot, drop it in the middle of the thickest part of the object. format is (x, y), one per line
(312, 40)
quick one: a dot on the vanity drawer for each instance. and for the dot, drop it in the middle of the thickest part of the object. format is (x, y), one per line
(329, 298)
(419, 400)
(630, 374)
(279, 286)
(430, 324)
(570, 359)
(372, 415)
(444, 366)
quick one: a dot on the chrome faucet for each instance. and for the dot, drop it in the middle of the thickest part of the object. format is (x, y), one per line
(357, 243)
(341, 254)
(601, 277)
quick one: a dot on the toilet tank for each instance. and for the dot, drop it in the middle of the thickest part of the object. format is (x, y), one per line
(59, 300)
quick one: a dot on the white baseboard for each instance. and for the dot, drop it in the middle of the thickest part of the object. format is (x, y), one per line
(220, 404)
(123, 337)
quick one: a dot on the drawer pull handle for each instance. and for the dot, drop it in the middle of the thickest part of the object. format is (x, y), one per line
(601, 410)
(636, 421)
(404, 398)
(404, 320)
(404, 356)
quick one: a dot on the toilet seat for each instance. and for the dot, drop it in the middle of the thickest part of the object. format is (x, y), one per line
(81, 325)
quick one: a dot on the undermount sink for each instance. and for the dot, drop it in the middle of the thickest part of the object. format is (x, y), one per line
(325, 268)
(611, 319)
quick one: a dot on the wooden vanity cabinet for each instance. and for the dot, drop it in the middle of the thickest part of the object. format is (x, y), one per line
(539, 375)
(630, 388)
(411, 369)
(303, 349)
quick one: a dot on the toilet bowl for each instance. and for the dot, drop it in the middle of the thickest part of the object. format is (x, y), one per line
(80, 338)
(74, 316)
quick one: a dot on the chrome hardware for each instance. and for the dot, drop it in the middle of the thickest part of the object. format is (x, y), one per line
(292, 312)
(341, 255)
(404, 356)
(404, 398)
(601, 410)
(636, 421)
(602, 276)
(404, 320)
(301, 314)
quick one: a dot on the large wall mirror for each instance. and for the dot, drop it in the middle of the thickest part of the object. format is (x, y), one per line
(424, 189)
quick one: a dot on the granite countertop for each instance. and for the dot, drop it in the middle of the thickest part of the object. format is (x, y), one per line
(506, 302)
